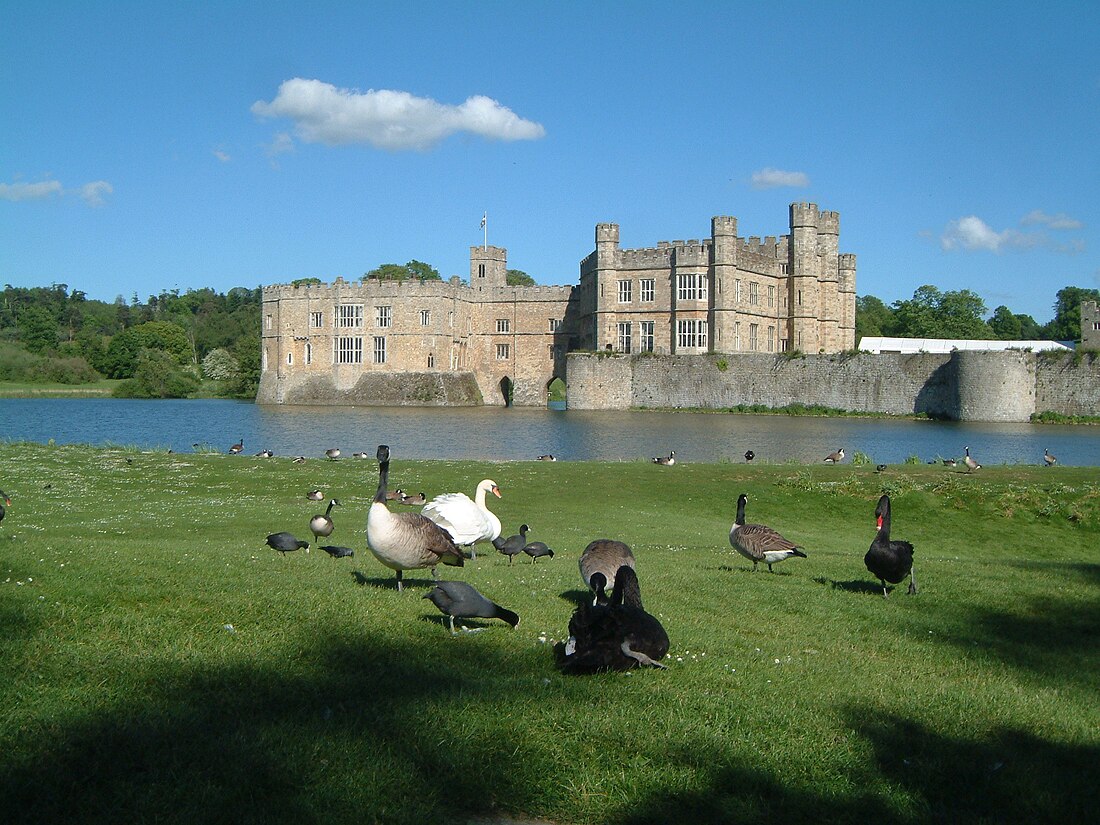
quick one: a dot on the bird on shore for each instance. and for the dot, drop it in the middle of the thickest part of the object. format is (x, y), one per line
(970, 463)
(395, 495)
(264, 454)
(5, 499)
(406, 541)
(323, 525)
(1048, 459)
(879, 468)
(889, 561)
(315, 495)
(360, 455)
(949, 462)
(599, 562)
(458, 600)
(333, 453)
(286, 543)
(666, 461)
(338, 552)
(412, 501)
(513, 544)
(536, 550)
(759, 543)
(749, 455)
(468, 520)
(835, 458)
(619, 635)
(299, 459)
(546, 457)
(237, 448)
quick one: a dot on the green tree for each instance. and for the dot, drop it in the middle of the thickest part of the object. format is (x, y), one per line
(517, 277)
(873, 317)
(305, 281)
(38, 329)
(422, 271)
(415, 270)
(1005, 325)
(1066, 324)
(220, 365)
(931, 313)
(157, 375)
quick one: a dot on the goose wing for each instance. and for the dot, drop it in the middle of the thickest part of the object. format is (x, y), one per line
(755, 540)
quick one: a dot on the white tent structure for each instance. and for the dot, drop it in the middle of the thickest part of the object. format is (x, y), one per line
(878, 344)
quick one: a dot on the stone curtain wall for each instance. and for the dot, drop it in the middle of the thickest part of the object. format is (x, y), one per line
(972, 386)
(426, 389)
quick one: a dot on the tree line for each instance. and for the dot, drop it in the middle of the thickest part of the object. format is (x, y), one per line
(178, 345)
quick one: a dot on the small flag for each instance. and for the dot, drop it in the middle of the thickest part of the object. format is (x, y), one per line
(483, 218)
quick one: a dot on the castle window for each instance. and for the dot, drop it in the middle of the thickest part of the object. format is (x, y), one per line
(316, 319)
(555, 324)
(771, 339)
(384, 315)
(349, 316)
(736, 336)
(309, 353)
(1096, 325)
(481, 270)
(551, 352)
(691, 287)
(263, 359)
(754, 293)
(754, 334)
(624, 337)
(645, 335)
(290, 359)
(502, 352)
(425, 317)
(691, 334)
(267, 322)
(431, 360)
(645, 290)
(380, 349)
(800, 297)
(783, 269)
(737, 290)
(771, 295)
(349, 350)
(624, 292)
(503, 325)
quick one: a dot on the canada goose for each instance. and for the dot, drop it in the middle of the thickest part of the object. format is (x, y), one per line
(949, 462)
(459, 600)
(599, 562)
(322, 525)
(513, 544)
(1048, 459)
(546, 457)
(338, 552)
(286, 543)
(315, 495)
(395, 495)
(749, 455)
(617, 636)
(237, 448)
(264, 454)
(835, 458)
(536, 550)
(889, 561)
(759, 543)
(405, 541)
(332, 453)
(970, 463)
(299, 459)
(468, 521)
(667, 462)
(413, 501)
(879, 468)
(5, 499)
(360, 455)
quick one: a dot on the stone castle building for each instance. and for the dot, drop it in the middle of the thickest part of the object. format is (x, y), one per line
(1090, 325)
(432, 342)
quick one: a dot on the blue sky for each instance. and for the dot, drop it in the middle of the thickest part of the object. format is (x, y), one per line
(150, 146)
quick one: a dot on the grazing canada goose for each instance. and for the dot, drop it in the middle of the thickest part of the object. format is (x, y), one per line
(338, 552)
(536, 550)
(835, 458)
(286, 543)
(546, 457)
(459, 600)
(889, 561)
(322, 525)
(468, 521)
(970, 463)
(4, 499)
(615, 636)
(667, 462)
(405, 541)
(749, 455)
(315, 495)
(413, 501)
(237, 448)
(513, 544)
(1048, 459)
(599, 563)
(949, 462)
(332, 453)
(299, 459)
(264, 454)
(759, 543)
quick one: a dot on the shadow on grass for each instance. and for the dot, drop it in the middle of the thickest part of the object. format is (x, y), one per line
(862, 586)
(390, 582)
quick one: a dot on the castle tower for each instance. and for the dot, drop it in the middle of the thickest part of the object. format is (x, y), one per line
(488, 267)
(803, 265)
(607, 270)
(828, 236)
(847, 291)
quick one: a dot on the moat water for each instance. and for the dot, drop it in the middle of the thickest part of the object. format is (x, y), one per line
(496, 434)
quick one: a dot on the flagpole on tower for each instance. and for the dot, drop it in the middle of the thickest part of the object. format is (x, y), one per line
(485, 229)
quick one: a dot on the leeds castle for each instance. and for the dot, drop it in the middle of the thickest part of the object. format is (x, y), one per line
(485, 342)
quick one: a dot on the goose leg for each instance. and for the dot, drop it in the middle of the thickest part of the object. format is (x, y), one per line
(435, 575)
(770, 569)
(640, 657)
(754, 567)
(912, 582)
(399, 588)
(884, 593)
(452, 625)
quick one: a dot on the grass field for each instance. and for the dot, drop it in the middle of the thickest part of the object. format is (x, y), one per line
(26, 389)
(160, 663)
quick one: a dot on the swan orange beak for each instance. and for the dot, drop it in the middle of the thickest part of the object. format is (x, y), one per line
(496, 491)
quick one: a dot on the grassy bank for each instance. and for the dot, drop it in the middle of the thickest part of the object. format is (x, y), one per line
(159, 662)
(24, 389)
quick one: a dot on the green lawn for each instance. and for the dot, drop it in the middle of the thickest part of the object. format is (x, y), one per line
(159, 663)
(27, 389)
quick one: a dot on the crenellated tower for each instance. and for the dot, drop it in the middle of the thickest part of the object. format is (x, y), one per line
(488, 267)
(804, 297)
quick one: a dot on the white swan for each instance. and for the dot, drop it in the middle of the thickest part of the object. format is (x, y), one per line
(468, 521)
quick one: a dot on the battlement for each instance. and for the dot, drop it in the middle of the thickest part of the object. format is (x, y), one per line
(828, 223)
(607, 233)
(804, 214)
(722, 226)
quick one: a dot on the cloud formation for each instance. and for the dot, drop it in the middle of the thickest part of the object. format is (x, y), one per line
(770, 178)
(388, 119)
(92, 193)
(972, 234)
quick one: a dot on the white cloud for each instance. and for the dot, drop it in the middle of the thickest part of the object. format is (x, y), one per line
(774, 178)
(1037, 217)
(972, 234)
(29, 191)
(388, 119)
(221, 155)
(93, 193)
(280, 145)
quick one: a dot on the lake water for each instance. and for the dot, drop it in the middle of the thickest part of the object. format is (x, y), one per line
(494, 433)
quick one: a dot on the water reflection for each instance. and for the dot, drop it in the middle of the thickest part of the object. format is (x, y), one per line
(508, 434)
